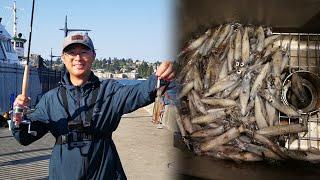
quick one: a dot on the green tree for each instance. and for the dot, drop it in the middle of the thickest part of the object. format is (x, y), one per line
(144, 70)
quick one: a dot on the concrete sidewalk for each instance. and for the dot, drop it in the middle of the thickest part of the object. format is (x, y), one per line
(144, 150)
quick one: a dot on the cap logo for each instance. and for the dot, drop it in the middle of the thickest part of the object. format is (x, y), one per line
(77, 37)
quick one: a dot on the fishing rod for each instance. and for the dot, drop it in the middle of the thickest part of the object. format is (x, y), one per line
(18, 110)
(25, 80)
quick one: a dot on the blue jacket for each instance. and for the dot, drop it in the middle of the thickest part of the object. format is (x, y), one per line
(98, 159)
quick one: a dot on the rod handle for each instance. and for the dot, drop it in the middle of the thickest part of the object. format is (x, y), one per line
(25, 80)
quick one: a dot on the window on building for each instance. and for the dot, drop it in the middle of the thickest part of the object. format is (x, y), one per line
(8, 46)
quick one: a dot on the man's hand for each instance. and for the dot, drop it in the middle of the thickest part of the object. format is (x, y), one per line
(165, 71)
(20, 102)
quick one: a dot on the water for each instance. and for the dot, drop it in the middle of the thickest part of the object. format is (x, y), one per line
(170, 97)
(129, 81)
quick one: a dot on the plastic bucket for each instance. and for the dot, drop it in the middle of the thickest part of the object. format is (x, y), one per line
(9, 123)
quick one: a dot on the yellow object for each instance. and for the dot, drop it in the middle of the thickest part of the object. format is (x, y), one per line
(6, 115)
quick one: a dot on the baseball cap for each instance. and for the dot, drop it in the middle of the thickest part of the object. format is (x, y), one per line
(78, 38)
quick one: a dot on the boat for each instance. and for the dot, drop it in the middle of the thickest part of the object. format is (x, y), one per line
(11, 72)
(12, 63)
(7, 52)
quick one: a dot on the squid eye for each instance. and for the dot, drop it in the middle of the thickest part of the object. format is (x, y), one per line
(237, 63)
(271, 100)
(242, 64)
(239, 72)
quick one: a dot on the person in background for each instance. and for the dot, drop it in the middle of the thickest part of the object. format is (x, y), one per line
(83, 112)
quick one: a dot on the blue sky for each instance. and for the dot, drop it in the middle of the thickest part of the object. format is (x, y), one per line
(137, 29)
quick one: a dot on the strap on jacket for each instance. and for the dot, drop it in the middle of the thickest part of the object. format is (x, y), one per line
(89, 114)
(63, 94)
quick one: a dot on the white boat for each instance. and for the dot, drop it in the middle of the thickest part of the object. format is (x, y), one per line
(7, 52)
(11, 72)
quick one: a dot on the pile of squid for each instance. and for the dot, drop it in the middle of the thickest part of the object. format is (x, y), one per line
(230, 96)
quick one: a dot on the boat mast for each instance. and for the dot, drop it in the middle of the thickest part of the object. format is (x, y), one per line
(14, 19)
(52, 56)
(66, 30)
(17, 41)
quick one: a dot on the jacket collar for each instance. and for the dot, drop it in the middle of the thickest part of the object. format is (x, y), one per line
(92, 82)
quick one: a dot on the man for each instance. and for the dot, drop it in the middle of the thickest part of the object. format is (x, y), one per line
(83, 112)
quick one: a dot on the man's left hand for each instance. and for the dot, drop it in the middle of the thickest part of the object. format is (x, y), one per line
(166, 71)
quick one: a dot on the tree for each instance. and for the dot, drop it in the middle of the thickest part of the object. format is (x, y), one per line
(144, 70)
(114, 65)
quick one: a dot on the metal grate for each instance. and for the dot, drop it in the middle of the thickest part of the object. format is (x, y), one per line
(304, 51)
(304, 58)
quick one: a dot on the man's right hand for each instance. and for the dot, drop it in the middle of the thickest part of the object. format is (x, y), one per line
(21, 102)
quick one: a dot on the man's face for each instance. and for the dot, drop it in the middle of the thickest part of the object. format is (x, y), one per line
(78, 60)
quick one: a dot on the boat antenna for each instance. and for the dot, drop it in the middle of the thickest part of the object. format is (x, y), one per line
(66, 30)
(26, 69)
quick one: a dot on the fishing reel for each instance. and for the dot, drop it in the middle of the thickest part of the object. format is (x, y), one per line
(18, 112)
